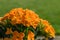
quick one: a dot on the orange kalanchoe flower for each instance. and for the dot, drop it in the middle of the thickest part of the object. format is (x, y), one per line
(31, 18)
(21, 36)
(48, 28)
(9, 31)
(52, 32)
(15, 35)
(30, 35)
(25, 17)
(5, 17)
(18, 36)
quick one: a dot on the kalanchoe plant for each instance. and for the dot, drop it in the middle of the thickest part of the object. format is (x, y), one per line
(26, 25)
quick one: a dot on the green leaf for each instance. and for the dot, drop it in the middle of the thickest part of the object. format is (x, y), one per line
(26, 33)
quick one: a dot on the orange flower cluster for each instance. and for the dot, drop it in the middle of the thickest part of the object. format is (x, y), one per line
(48, 28)
(9, 31)
(30, 35)
(18, 36)
(25, 17)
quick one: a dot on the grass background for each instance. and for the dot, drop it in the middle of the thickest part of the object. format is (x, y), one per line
(47, 9)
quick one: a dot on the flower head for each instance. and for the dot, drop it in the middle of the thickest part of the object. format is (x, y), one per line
(26, 17)
(48, 28)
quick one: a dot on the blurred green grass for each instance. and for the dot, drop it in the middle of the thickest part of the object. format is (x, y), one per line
(46, 9)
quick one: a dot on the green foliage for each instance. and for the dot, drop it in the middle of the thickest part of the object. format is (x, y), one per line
(2, 29)
(32, 29)
(2, 26)
(26, 33)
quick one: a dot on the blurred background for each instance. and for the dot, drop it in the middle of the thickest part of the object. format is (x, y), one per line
(46, 9)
